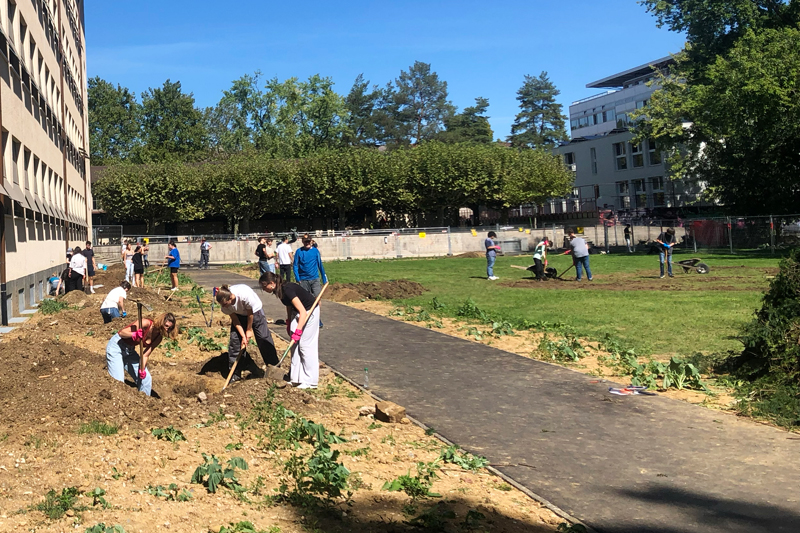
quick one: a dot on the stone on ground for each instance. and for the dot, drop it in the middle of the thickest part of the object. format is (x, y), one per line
(389, 412)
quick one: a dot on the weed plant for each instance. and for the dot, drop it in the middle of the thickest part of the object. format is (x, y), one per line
(56, 505)
(51, 306)
(97, 427)
(168, 433)
(102, 528)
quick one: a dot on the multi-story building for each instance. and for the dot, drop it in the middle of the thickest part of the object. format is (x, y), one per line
(45, 185)
(612, 172)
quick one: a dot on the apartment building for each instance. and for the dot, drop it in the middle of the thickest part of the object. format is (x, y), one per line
(612, 172)
(45, 185)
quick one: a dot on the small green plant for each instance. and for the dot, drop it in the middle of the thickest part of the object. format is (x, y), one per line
(100, 428)
(564, 527)
(89, 333)
(436, 305)
(170, 347)
(56, 505)
(469, 309)
(204, 343)
(467, 461)
(473, 332)
(247, 527)
(211, 474)
(51, 307)
(374, 425)
(473, 519)
(359, 452)
(116, 474)
(168, 433)
(502, 328)
(568, 348)
(234, 446)
(417, 487)
(102, 528)
(434, 518)
(172, 493)
(97, 497)
(505, 487)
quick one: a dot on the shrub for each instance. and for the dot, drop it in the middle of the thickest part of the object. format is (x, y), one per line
(50, 306)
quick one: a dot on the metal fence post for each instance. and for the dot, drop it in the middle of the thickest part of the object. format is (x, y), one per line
(605, 235)
(449, 243)
(730, 235)
(771, 235)
(554, 238)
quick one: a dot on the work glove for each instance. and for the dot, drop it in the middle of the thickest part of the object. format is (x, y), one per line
(137, 335)
(142, 373)
(124, 314)
(296, 335)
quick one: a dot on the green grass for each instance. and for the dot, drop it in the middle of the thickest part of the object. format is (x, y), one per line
(704, 316)
(97, 427)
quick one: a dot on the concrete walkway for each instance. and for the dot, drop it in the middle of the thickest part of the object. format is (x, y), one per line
(620, 464)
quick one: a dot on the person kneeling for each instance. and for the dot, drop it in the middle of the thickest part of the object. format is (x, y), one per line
(114, 304)
(121, 349)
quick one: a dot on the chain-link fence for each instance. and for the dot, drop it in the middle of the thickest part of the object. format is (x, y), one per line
(106, 235)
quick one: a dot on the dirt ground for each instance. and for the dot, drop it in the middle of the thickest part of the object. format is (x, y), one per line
(54, 382)
(526, 343)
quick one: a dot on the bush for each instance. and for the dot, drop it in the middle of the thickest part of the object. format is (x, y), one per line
(770, 360)
(51, 307)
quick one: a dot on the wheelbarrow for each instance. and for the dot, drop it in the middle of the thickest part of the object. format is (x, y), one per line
(696, 264)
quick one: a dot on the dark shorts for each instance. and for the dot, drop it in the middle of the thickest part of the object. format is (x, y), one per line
(138, 271)
(90, 272)
(174, 270)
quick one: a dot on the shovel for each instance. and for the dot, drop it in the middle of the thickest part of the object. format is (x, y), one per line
(139, 305)
(208, 324)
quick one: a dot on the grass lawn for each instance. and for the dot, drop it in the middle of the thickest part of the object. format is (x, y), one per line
(686, 314)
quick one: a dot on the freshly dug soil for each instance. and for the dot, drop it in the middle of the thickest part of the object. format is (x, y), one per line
(471, 255)
(382, 290)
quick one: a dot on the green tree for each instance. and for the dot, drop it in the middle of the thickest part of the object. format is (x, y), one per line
(540, 122)
(113, 122)
(470, 126)
(418, 102)
(172, 127)
(361, 104)
(240, 117)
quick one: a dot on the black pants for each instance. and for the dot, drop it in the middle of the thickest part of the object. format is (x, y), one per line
(538, 268)
(75, 282)
(286, 272)
(204, 257)
(263, 340)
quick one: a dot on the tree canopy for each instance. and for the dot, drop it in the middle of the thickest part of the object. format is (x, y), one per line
(113, 122)
(540, 122)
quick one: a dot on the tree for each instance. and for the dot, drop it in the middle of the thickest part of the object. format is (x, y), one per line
(540, 122)
(238, 120)
(738, 128)
(361, 103)
(420, 104)
(172, 127)
(470, 126)
(113, 122)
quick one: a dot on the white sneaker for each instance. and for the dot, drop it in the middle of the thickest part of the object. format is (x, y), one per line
(174, 289)
(493, 278)
(92, 289)
(305, 386)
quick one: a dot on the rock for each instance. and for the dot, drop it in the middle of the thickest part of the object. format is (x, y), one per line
(202, 397)
(389, 412)
(105, 394)
(275, 373)
(366, 410)
(405, 420)
(324, 371)
(70, 512)
(215, 529)
(280, 384)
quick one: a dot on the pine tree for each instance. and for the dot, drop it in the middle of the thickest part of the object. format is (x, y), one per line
(470, 126)
(540, 122)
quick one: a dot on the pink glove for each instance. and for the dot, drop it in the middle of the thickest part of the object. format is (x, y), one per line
(142, 373)
(296, 334)
(137, 335)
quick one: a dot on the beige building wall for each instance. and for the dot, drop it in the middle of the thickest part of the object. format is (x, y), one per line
(44, 127)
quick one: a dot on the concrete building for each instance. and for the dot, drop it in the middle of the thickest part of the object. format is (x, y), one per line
(44, 122)
(611, 172)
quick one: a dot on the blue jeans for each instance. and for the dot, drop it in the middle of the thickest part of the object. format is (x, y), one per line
(580, 264)
(490, 259)
(109, 314)
(121, 356)
(669, 261)
(263, 267)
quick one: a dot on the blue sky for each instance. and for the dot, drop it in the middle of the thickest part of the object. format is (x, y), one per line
(479, 48)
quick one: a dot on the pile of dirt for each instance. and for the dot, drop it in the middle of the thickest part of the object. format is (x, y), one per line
(110, 278)
(471, 255)
(382, 290)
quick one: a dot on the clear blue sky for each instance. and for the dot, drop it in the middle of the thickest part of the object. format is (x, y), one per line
(479, 48)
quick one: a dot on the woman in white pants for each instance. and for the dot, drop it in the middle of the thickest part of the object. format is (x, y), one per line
(304, 373)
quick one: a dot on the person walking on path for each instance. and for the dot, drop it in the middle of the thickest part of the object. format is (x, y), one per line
(540, 259)
(138, 267)
(304, 372)
(580, 255)
(666, 243)
(491, 255)
(265, 256)
(114, 304)
(628, 238)
(244, 307)
(174, 258)
(121, 349)
(285, 258)
(91, 265)
(77, 271)
(127, 258)
(205, 253)
(308, 268)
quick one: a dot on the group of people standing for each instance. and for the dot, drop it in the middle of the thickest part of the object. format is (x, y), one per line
(80, 269)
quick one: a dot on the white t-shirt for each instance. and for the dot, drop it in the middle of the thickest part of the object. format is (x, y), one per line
(247, 301)
(270, 252)
(78, 264)
(112, 298)
(284, 249)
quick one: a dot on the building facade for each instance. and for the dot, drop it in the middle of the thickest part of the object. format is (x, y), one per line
(45, 184)
(612, 173)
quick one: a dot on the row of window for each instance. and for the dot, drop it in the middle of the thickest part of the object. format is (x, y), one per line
(622, 119)
(637, 158)
(642, 193)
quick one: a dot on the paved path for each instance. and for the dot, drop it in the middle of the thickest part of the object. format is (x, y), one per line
(620, 464)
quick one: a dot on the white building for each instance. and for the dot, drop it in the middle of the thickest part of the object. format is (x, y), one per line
(45, 188)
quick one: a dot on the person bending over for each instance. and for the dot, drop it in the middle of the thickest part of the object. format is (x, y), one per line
(114, 304)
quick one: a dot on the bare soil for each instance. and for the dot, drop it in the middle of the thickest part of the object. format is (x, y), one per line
(382, 290)
(53, 381)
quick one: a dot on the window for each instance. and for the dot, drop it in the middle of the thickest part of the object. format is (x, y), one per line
(15, 149)
(569, 158)
(621, 156)
(609, 116)
(622, 120)
(639, 186)
(642, 103)
(641, 193)
(26, 162)
(636, 155)
(654, 153)
(12, 11)
(624, 195)
(657, 183)
(594, 160)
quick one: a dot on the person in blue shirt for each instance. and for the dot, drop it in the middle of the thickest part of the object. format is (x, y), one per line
(174, 264)
(491, 255)
(308, 267)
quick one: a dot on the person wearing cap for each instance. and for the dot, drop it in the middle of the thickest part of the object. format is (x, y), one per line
(580, 255)
(666, 242)
(205, 246)
(540, 259)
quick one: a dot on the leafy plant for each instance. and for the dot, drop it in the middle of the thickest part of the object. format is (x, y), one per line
(417, 487)
(102, 528)
(359, 452)
(436, 305)
(211, 474)
(469, 309)
(50, 306)
(467, 461)
(564, 527)
(172, 493)
(100, 428)
(434, 518)
(168, 433)
(247, 527)
(56, 505)
(502, 328)
(568, 348)
(97, 497)
(170, 347)
(204, 343)
(234, 446)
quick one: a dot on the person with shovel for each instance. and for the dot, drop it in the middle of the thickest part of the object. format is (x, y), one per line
(540, 259)
(304, 372)
(121, 353)
(580, 255)
(244, 307)
(666, 242)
